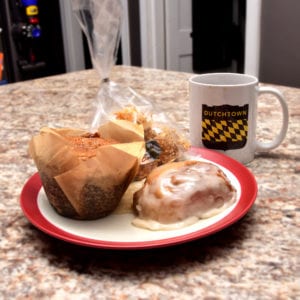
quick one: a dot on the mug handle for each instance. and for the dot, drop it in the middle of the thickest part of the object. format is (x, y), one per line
(260, 146)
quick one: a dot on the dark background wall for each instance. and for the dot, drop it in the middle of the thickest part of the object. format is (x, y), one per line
(280, 42)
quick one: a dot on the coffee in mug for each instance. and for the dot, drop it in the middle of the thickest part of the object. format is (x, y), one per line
(223, 114)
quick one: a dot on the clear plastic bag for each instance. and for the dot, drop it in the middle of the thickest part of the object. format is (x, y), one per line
(101, 21)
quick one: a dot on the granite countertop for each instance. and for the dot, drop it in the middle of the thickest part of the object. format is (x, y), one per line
(258, 257)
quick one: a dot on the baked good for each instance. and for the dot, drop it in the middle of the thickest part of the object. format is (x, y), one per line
(178, 191)
(164, 143)
(84, 175)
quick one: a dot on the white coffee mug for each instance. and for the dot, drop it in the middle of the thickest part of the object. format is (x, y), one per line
(223, 113)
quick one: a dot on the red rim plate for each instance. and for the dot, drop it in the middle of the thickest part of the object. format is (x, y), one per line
(31, 189)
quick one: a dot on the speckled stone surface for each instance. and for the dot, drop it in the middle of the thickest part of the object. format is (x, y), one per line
(256, 258)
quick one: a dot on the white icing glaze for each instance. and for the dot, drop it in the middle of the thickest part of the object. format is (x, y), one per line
(182, 194)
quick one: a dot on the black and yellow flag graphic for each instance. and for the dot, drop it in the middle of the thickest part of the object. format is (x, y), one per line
(224, 127)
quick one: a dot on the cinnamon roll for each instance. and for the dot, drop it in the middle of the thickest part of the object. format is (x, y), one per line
(181, 193)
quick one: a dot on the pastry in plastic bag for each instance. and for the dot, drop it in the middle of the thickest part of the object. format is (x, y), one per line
(164, 143)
